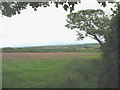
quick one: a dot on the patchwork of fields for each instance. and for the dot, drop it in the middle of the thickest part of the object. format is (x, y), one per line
(53, 49)
(51, 70)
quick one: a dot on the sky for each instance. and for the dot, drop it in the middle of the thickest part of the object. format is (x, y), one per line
(46, 26)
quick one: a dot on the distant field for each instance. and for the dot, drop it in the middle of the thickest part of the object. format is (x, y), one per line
(49, 49)
(51, 70)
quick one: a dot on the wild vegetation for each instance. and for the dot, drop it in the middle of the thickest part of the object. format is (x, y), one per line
(64, 66)
(109, 76)
(51, 70)
(97, 25)
(76, 71)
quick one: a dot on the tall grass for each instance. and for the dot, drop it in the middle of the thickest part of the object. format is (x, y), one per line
(64, 72)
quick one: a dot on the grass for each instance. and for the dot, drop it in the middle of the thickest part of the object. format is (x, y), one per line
(62, 72)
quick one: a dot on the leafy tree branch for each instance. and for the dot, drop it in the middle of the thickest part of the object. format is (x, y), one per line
(90, 23)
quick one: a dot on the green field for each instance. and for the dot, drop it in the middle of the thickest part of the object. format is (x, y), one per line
(57, 48)
(65, 66)
(51, 70)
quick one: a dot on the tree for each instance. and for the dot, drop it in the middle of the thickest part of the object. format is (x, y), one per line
(89, 23)
(109, 75)
(12, 8)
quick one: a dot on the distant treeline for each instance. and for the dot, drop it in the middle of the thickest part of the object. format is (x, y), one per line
(60, 48)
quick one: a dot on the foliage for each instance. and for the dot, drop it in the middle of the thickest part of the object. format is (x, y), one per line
(12, 8)
(109, 76)
(91, 23)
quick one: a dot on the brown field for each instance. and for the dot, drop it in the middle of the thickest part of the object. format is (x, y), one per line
(41, 56)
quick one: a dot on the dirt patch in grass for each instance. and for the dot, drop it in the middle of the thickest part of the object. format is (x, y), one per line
(40, 56)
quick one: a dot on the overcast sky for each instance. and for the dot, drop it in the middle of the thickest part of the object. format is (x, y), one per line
(46, 26)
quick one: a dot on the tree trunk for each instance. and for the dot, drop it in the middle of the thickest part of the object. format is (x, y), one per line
(100, 42)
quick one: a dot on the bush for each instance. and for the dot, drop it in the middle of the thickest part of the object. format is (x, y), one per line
(109, 75)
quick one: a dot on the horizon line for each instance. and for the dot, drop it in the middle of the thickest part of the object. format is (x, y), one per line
(45, 45)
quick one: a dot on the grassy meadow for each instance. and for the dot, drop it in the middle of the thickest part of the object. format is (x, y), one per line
(51, 70)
